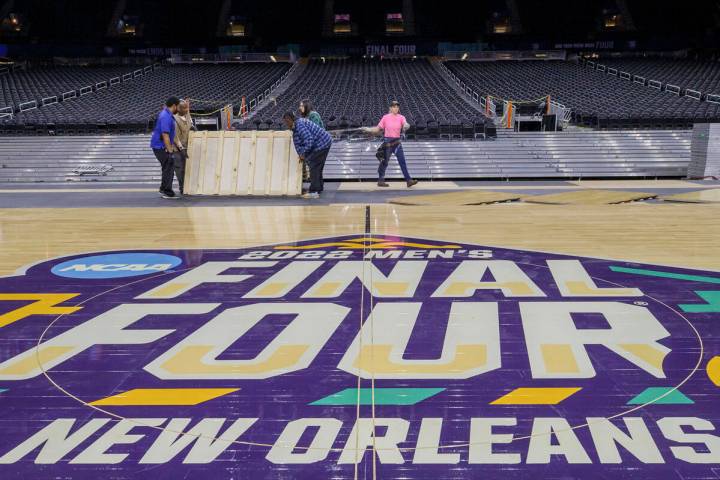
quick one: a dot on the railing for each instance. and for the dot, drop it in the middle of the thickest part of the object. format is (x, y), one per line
(253, 103)
(230, 58)
(694, 94)
(654, 84)
(491, 56)
(561, 112)
(674, 89)
(487, 105)
(33, 104)
(25, 106)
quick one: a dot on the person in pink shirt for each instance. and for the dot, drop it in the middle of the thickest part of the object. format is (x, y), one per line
(392, 125)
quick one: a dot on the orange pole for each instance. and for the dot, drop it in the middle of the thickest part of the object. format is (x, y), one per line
(547, 105)
(509, 114)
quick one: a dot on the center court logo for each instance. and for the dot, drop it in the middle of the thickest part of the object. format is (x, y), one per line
(437, 359)
(116, 265)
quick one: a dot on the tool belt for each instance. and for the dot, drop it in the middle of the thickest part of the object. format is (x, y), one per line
(380, 152)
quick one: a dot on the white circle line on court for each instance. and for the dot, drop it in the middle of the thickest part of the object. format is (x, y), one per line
(401, 449)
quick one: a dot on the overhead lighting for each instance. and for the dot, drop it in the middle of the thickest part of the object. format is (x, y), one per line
(464, 56)
(272, 57)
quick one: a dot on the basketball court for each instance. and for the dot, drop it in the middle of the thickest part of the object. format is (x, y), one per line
(209, 337)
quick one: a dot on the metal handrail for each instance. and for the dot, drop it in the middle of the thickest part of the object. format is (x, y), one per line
(694, 94)
(31, 105)
(674, 89)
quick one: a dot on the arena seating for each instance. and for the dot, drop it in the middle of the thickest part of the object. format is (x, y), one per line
(353, 93)
(131, 106)
(38, 83)
(686, 74)
(597, 99)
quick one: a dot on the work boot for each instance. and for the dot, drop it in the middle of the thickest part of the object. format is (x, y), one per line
(382, 183)
(411, 182)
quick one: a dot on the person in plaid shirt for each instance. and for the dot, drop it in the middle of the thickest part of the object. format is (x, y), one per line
(312, 144)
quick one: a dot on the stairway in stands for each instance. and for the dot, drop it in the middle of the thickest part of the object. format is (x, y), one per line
(575, 154)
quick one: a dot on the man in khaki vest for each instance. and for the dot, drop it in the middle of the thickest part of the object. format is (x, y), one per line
(183, 124)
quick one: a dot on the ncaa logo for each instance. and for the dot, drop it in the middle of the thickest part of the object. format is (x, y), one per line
(116, 265)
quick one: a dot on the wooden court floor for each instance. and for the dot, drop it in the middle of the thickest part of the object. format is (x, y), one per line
(349, 362)
(684, 235)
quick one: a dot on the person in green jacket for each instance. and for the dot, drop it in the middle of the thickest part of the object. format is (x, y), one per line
(307, 111)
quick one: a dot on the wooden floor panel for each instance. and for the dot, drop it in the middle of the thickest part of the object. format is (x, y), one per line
(589, 197)
(711, 195)
(672, 233)
(457, 198)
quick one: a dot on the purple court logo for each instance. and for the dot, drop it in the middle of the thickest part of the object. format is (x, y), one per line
(359, 357)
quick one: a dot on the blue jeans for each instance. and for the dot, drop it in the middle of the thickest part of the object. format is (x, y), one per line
(399, 154)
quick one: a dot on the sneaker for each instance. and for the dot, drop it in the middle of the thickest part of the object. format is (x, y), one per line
(411, 182)
(311, 195)
(170, 195)
(382, 184)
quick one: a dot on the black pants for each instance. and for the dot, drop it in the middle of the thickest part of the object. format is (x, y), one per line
(316, 163)
(166, 165)
(179, 159)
